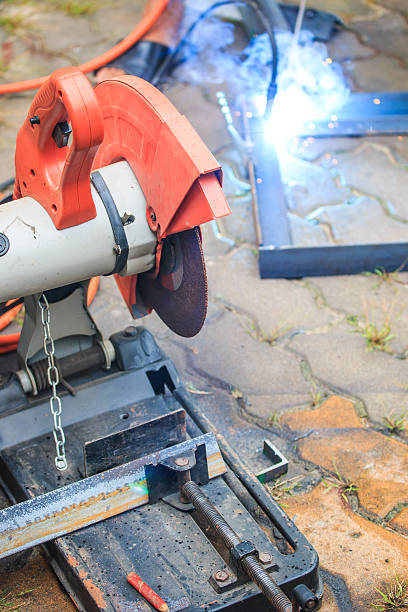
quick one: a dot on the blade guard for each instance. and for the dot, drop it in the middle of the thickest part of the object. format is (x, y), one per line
(180, 178)
(59, 177)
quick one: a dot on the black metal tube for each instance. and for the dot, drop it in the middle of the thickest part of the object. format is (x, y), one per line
(249, 480)
(250, 564)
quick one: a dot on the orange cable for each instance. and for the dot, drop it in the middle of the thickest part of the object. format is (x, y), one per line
(147, 21)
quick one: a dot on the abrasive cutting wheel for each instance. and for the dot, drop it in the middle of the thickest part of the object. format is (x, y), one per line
(181, 182)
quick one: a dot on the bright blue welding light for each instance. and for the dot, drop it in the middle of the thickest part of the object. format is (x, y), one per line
(291, 111)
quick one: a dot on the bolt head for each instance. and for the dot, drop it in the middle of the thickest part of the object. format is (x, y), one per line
(153, 216)
(182, 461)
(265, 558)
(221, 576)
(4, 244)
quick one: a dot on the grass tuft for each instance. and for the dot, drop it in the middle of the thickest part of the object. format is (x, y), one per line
(377, 336)
(283, 488)
(11, 23)
(76, 8)
(396, 422)
(344, 486)
(274, 419)
(394, 596)
(10, 603)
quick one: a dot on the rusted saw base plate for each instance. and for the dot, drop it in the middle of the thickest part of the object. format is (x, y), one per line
(162, 544)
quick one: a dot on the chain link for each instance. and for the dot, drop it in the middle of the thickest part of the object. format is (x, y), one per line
(53, 379)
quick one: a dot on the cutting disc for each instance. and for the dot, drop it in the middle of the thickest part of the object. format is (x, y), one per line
(179, 294)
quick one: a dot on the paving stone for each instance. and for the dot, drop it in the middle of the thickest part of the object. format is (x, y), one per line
(271, 407)
(391, 404)
(340, 359)
(240, 225)
(329, 601)
(389, 33)
(380, 73)
(225, 352)
(308, 185)
(311, 149)
(277, 304)
(42, 591)
(395, 5)
(376, 300)
(362, 553)
(400, 522)
(359, 291)
(361, 220)
(335, 413)
(305, 233)
(370, 171)
(346, 45)
(375, 463)
(347, 10)
(397, 145)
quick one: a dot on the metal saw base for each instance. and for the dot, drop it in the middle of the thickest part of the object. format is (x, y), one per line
(160, 542)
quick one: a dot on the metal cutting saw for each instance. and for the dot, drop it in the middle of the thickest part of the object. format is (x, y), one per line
(114, 181)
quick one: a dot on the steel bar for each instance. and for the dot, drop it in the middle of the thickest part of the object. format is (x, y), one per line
(250, 564)
(295, 262)
(92, 499)
(364, 114)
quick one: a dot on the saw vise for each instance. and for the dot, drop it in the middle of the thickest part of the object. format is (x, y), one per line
(114, 181)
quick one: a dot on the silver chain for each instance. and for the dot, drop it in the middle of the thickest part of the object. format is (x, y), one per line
(53, 379)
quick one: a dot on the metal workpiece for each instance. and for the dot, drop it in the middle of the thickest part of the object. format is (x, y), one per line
(97, 498)
(40, 257)
(180, 543)
(364, 114)
(279, 463)
(246, 560)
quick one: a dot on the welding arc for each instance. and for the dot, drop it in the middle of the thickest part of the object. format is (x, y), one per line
(179, 294)
(147, 21)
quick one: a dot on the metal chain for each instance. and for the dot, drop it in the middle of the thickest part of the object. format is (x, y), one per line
(53, 379)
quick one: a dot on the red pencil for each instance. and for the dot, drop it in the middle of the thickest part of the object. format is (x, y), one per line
(147, 592)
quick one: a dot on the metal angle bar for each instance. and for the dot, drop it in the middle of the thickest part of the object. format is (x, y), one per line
(270, 196)
(295, 262)
(364, 114)
(92, 499)
(279, 463)
(278, 257)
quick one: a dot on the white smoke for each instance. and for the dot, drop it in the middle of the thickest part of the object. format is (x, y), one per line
(310, 84)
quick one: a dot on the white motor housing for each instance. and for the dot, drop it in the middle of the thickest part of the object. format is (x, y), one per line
(40, 257)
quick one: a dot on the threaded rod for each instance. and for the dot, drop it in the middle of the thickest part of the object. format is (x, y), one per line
(250, 564)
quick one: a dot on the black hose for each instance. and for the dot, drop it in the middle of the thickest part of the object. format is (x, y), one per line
(168, 64)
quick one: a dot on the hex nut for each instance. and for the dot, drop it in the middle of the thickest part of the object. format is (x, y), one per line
(265, 558)
(221, 576)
